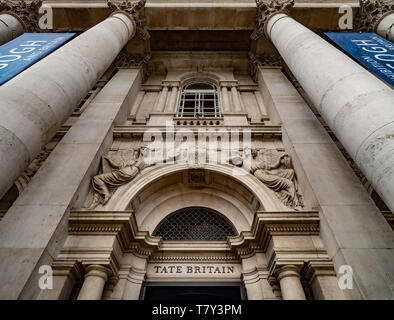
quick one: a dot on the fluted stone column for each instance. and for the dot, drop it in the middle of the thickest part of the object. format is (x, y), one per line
(93, 285)
(290, 283)
(10, 27)
(385, 26)
(35, 103)
(355, 104)
(162, 100)
(226, 101)
(260, 103)
(170, 107)
(137, 103)
(236, 101)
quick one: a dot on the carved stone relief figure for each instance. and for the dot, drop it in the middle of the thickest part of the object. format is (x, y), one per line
(275, 170)
(120, 168)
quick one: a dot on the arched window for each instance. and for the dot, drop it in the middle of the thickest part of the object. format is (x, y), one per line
(195, 224)
(199, 100)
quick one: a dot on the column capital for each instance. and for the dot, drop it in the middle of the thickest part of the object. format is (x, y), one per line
(266, 8)
(70, 268)
(98, 270)
(263, 60)
(228, 83)
(288, 271)
(171, 83)
(318, 268)
(127, 60)
(137, 10)
(371, 12)
(26, 12)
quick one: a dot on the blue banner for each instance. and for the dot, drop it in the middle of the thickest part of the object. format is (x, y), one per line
(27, 49)
(370, 49)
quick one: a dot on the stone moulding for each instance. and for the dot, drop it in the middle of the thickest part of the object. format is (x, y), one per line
(124, 226)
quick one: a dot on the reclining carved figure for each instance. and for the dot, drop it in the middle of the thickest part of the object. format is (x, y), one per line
(118, 169)
(275, 170)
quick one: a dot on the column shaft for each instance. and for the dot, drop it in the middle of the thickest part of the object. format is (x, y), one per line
(61, 183)
(356, 105)
(10, 27)
(290, 284)
(137, 103)
(162, 100)
(93, 286)
(225, 100)
(385, 26)
(35, 103)
(171, 107)
(260, 103)
(236, 101)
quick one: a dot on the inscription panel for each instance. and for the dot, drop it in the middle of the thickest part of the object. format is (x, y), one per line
(189, 271)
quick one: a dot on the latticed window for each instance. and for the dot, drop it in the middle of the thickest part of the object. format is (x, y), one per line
(195, 224)
(199, 100)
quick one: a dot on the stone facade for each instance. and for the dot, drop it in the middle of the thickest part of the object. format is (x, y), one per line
(200, 106)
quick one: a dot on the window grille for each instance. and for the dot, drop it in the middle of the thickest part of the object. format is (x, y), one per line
(199, 100)
(195, 224)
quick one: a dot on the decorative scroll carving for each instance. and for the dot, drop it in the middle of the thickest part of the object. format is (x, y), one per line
(275, 170)
(265, 8)
(370, 12)
(137, 10)
(126, 60)
(119, 168)
(26, 11)
(272, 60)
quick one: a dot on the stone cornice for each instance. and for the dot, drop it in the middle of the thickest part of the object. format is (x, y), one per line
(25, 11)
(266, 8)
(371, 13)
(268, 224)
(123, 225)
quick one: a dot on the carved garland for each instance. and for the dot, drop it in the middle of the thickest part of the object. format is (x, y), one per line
(27, 12)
